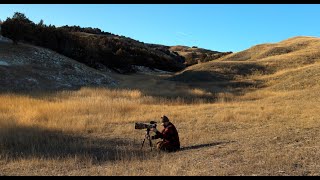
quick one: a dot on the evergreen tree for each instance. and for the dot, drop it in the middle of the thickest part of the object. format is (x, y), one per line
(16, 28)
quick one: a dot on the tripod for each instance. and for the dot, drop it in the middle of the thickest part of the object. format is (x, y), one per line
(147, 136)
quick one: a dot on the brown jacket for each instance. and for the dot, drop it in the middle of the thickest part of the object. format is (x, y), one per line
(169, 135)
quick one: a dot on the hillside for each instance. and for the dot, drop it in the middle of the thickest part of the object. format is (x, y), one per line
(30, 68)
(195, 55)
(287, 65)
(100, 50)
(192, 55)
(90, 46)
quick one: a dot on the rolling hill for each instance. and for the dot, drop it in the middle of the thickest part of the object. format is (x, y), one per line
(288, 65)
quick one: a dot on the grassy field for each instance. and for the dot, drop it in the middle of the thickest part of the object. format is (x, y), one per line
(269, 127)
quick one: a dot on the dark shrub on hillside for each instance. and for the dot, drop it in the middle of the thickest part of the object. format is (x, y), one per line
(17, 28)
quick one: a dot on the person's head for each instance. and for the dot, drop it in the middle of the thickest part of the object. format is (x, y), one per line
(165, 121)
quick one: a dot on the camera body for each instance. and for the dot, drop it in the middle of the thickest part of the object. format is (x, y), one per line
(150, 125)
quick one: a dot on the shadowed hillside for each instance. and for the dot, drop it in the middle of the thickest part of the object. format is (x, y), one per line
(30, 68)
(101, 50)
(91, 46)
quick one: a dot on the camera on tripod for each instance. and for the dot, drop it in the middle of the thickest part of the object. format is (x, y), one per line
(147, 126)
(152, 124)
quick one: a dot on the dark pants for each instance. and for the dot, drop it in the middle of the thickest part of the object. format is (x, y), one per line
(166, 146)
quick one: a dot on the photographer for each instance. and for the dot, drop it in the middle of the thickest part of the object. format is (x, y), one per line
(169, 135)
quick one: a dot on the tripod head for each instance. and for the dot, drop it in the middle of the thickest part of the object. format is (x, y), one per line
(148, 131)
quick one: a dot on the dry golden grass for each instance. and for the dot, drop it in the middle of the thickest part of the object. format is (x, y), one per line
(260, 131)
(90, 132)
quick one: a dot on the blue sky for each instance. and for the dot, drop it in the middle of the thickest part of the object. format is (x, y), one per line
(212, 26)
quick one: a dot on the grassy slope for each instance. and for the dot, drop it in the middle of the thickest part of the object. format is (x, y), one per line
(271, 129)
(285, 65)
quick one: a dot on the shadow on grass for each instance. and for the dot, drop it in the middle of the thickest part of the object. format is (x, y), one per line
(18, 142)
(204, 145)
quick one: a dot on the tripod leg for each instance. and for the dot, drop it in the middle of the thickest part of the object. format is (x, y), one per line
(150, 143)
(143, 142)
